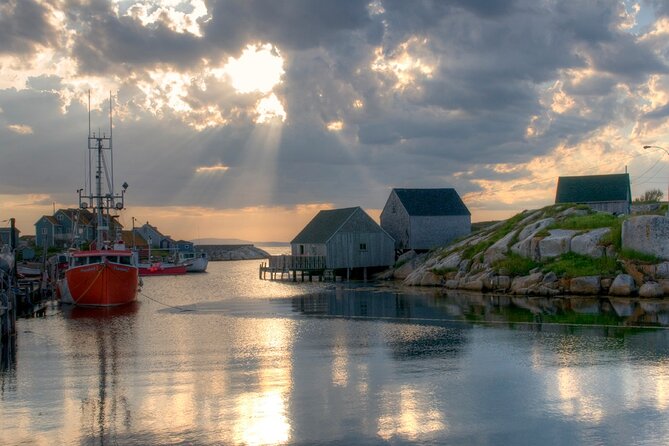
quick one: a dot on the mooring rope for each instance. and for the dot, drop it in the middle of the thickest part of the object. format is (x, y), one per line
(164, 304)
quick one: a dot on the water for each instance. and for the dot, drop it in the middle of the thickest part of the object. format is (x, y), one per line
(224, 358)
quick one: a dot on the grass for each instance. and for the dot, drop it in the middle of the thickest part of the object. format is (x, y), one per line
(576, 265)
(583, 222)
(630, 254)
(515, 265)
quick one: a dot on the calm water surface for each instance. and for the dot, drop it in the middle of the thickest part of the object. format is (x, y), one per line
(224, 358)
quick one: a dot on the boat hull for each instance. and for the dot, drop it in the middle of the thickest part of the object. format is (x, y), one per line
(162, 270)
(100, 285)
(198, 265)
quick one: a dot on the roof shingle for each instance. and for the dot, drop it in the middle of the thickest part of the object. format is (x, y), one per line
(432, 202)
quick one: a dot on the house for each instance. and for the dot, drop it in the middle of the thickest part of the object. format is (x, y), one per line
(184, 246)
(422, 219)
(69, 227)
(155, 238)
(608, 193)
(6, 235)
(134, 240)
(347, 238)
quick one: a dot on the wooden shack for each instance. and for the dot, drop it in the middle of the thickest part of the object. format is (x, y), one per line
(423, 219)
(607, 193)
(347, 238)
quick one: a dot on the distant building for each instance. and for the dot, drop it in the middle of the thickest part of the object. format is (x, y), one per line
(6, 234)
(423, 219)
(608, 193)
(184, 246)
(66, 227)
(155, 238)
(348, 238)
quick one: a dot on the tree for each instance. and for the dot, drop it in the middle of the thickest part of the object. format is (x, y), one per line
(650, 196)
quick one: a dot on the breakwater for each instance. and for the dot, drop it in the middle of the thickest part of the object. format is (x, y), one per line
(232, 252)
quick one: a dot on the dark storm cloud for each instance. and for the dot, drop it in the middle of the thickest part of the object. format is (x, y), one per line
(23, 26)
(290, 24)
(109, 44)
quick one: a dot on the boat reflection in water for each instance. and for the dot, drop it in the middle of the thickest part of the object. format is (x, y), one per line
(105, 335)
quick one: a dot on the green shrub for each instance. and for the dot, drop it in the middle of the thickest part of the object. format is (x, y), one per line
(515, 265)
(575, 265)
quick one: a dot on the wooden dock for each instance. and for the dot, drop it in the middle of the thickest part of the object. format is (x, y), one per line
(288, 266)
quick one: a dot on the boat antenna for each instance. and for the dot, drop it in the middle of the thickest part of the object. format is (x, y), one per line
(111, 151)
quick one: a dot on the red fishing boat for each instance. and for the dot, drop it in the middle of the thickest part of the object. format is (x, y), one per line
(106, 275)
(161, 269)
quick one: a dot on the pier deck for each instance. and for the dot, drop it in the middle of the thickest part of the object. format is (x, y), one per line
(287, 265)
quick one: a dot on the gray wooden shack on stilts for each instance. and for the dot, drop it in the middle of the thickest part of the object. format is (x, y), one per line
(339, 242)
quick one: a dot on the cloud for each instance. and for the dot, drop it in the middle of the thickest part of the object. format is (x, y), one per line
(337, 102)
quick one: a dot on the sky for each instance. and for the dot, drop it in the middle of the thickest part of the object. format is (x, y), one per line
(243, 119)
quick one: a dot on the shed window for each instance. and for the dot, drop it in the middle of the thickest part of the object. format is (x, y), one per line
(301, 250)
(363, 246)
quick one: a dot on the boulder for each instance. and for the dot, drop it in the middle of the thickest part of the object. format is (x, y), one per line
(498, 249)
(452, 284)
(406, 256)
(527, 245)
(587, 285)
(588, 244)
(451, 261)
(651, 290)
(430, 279)
(404, 271)
(532, 229)
(472, 285)
(648, 234)
(662, 270)
(520, 284)
(623, 285)
(556, 244)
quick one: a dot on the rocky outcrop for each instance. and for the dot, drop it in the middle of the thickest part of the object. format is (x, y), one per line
(233, 252)
(484, 261)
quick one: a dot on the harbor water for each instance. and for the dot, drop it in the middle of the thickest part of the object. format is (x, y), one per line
(225, 358)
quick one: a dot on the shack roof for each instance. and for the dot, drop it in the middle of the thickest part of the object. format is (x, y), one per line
(431, 202)
(324, 225)
(593, 188)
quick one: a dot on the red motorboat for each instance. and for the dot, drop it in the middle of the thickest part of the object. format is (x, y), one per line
(161, 269)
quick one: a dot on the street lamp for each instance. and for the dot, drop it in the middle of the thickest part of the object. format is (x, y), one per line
(667, 152)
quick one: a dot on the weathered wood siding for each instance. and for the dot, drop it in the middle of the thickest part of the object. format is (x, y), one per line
(395, 221)
(360, 243)
(431, 232)
(309, 249)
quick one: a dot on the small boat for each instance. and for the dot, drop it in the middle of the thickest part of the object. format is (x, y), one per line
(195, 262)
(161, 269)
(105, 275)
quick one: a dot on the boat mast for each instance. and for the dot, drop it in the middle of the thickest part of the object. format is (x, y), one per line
(102, 201)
